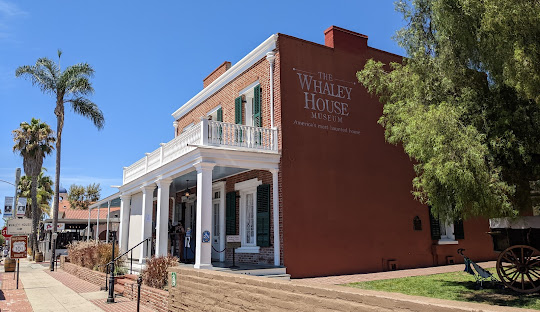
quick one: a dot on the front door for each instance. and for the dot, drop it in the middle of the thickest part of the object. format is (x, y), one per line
(215, 230)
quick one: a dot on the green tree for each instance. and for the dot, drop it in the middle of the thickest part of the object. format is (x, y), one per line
(33, 141)
(44, 191)
(465, 103)
(72, 86)
(81, 197)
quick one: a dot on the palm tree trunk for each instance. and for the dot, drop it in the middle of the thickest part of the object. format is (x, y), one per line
(35, 216)
(59, 112)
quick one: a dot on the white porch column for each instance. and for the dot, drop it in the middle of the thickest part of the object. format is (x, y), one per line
(162, 217)
(146, 222)
(275, 213)
(203, 251)
(124, 223)
(88, 227)
(97, 224)
(108, 221)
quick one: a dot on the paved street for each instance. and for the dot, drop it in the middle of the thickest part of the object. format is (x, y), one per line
(42, 290)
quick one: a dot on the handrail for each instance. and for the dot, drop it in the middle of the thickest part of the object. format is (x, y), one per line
(120, 256)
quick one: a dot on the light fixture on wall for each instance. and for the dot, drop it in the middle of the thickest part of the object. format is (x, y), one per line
(187, 189)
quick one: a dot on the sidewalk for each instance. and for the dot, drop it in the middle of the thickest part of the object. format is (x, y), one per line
(345, 279)
(55, 291)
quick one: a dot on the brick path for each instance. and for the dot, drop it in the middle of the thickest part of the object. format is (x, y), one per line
(12, 299)
(345, 279)
(83, 287)
(74, 283)
(121, 305)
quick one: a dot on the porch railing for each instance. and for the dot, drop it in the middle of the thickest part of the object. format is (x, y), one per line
(205, 133)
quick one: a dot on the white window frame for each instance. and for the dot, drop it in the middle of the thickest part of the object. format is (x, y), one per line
(220, 187)
(248, 94)
(246, 187)
(448, 238)
(186, 128)
(213, 113)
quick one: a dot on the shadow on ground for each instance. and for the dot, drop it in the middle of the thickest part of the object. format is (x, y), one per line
(494, 293)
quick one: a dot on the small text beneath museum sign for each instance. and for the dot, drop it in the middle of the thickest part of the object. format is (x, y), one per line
(326, 127)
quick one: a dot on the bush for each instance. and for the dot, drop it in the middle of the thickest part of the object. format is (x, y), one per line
(155, 274)
(92, 255)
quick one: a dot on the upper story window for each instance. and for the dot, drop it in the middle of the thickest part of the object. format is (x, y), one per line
(216, 114)
(186, 128)
(248, 106)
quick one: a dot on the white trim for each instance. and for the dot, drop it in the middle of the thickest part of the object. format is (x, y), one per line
(248, 249)
(447, 242)
(220, 186)
(249, 88)
(215, 109)
(241, 186)
(254, 56)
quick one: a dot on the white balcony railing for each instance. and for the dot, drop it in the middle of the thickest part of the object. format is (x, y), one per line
(205, 133)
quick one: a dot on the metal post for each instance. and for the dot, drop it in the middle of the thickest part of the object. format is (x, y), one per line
(54, 235)
(18, 273)
(110, 299)
(131, 263)
(139, 282)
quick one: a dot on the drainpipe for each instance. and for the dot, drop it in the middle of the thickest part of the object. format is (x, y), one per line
(270, 57)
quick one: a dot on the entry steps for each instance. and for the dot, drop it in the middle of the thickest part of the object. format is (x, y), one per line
(262, 270)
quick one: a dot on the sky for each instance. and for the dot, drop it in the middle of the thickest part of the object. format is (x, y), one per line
(150, 58)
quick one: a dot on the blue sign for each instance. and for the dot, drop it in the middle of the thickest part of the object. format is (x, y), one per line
(206, 236)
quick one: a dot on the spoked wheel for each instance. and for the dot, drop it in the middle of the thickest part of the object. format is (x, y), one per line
(518, 268)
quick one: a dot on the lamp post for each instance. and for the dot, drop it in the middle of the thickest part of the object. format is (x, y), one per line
(110, 298)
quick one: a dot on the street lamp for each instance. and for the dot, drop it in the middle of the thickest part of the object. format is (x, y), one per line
(114, 229)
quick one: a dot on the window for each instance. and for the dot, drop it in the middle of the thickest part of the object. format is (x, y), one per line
(446, 232)
(186, 128)
(248, 106)
(216, 114)
(248, 215)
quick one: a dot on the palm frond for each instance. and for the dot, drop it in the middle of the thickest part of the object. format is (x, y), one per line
(74, 73)
(43, 74)
(88, 109)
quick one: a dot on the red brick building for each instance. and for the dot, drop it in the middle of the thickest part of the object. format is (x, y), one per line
(288, 137)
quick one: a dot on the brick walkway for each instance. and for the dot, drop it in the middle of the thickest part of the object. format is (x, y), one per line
(83, 287)
(121, 305)
(345, 279)
(74, 283)
(12, 299)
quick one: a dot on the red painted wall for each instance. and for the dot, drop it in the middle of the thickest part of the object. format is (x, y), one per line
(347, 202)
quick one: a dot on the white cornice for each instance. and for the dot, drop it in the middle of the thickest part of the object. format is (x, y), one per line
(254, 56)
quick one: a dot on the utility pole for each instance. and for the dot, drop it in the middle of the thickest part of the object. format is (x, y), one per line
(15, 203)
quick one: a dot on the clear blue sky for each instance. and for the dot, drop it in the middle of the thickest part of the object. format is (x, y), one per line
(150, 58)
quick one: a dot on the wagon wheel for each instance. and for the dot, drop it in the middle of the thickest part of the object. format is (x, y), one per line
(518, 268)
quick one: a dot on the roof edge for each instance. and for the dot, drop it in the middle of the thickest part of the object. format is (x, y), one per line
(238, 68)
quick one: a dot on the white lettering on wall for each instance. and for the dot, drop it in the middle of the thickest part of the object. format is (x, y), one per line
(323, 97)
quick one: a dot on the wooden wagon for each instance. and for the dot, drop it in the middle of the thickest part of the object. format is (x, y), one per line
(518, 241)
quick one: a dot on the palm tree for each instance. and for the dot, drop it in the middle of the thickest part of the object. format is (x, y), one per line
(44, 192)
(33, 142)
(69, 86)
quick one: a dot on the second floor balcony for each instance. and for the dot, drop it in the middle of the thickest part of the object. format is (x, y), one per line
(207, 133)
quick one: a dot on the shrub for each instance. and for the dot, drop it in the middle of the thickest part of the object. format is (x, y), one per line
(155, 273)
(93, 255)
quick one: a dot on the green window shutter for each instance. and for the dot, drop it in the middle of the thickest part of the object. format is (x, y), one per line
(435, 226)
(263, 215)
(257, 106)
(230, 213)
(238, 110)
(459, 232)
(220, 114)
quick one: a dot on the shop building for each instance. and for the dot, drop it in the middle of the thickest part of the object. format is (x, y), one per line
(283, 149)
